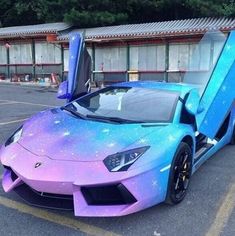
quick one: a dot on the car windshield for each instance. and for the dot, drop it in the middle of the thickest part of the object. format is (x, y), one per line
(130, 104)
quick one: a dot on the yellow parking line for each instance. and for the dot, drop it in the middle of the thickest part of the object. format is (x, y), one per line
(223, 213)
(55, 218)
(13, 121)
(28, 103)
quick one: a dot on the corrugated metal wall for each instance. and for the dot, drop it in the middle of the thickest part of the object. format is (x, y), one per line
(110, 63)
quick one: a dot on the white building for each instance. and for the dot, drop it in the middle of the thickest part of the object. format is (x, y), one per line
(152, 51)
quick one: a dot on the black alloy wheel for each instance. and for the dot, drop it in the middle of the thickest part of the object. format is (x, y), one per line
(180, 174)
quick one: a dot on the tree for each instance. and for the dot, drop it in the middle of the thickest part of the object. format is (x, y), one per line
(87, 13)
(18, 12)
(91, 13)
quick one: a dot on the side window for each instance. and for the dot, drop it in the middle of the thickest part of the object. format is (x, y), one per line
(186, 117)
(223, 128)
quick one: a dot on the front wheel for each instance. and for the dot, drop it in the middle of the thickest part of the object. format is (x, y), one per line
(180, 174)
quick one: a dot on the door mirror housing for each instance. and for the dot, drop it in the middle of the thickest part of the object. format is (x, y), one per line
(63, 90)
(201, 108)
(193, 105)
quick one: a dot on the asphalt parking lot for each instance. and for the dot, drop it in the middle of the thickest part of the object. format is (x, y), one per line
(207, 210)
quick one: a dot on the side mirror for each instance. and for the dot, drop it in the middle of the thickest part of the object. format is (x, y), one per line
(63, 90)
(201, 108)
(193, 105)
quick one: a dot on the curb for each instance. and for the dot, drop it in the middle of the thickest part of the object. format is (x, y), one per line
(34, 85)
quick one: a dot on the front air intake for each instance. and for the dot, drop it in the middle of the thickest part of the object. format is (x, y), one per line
(107, 195)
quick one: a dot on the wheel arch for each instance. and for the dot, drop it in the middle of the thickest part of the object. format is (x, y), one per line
(190, 141)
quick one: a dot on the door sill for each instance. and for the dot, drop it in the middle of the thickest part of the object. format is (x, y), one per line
(202, 151)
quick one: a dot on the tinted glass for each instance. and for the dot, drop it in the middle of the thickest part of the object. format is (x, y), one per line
(204, 59)
(137, 104)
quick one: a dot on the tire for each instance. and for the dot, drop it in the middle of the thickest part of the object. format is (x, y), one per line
(180, 174)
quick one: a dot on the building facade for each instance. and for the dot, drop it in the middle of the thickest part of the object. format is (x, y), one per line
(159, 51)
(31, 53)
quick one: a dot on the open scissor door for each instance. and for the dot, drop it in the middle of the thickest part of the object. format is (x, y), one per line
(215, 80)
(79, 67)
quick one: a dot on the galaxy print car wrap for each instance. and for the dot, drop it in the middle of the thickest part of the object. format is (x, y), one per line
(128, 146)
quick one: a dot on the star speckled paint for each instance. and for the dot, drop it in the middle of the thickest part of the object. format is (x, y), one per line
(71, 152)
(219, 92)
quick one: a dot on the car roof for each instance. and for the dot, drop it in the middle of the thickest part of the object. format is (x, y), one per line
(181, 88)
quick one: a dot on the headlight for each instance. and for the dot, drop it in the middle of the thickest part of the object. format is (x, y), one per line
(14, 137)
(121, 161)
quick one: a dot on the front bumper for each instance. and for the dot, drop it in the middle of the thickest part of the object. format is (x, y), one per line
(86, 187)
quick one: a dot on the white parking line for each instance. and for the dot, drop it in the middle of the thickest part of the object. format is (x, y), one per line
(7, 103)
(27, 103)
(13, 121)
(29, 86)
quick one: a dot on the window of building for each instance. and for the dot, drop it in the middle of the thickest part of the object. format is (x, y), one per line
(180, 56)
(89, 49)
(20, 53)
(47, 53)
(3, 54)
(217, 50)
(148, 58)
(66, 57)
(111, 59)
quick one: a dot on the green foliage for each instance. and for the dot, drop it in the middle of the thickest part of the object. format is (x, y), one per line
(90, 13)
(18, 12)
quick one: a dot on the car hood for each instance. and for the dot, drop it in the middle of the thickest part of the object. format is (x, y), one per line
(61, 136)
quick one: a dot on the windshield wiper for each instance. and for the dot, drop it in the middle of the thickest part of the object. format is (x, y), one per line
(74, 112)
(113, 119)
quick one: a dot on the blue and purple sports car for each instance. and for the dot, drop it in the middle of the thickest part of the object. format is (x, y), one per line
(125, 147)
